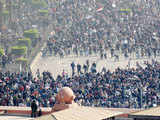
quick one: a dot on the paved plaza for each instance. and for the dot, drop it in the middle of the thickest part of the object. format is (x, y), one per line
(56, 65)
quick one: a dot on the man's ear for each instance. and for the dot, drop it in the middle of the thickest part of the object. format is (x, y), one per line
(57, 98)
(72, 99)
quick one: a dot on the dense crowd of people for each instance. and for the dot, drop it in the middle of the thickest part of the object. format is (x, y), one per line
(87, 27)
(128, 88)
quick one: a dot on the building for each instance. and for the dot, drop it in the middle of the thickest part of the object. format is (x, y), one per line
(82, 113)
(149, 114)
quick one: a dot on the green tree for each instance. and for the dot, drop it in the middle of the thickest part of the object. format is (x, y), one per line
(43, 12)
(32, 33)
(19, 50)
(24, 42)
(38, 4)
(5, 15)
(21, 60)
(1, 51)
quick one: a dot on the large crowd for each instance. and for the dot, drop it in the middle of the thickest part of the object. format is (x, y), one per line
(127, 88)
(87, 27)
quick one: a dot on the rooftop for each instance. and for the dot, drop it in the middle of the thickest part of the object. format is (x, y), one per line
(13, 117)
(149, 113)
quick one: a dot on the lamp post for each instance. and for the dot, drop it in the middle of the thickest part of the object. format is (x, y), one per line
(9, 8)
(1, 13)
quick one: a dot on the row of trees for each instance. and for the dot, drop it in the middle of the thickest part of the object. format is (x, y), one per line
(22, 48)
(25, 45)
(7, 8)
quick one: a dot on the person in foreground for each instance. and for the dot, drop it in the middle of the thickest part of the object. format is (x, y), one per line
(34, 108)
(64, 99)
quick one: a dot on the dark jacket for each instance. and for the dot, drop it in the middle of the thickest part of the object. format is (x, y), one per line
(34, 106)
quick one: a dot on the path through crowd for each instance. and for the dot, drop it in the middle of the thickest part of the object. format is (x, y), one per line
(56, 65)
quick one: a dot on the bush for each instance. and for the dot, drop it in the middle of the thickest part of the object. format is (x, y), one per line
(125, 11)
(39, 4)
(21, 60)
(1, 51)
(43, 12)
(24, 42)
(5, 13)
(19, 50)
(27, 1)
(32, 33)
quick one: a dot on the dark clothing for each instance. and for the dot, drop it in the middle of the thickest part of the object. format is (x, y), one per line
(34, 108)
(73, 66)
(40, 113)
(78, 68)
(85, 68)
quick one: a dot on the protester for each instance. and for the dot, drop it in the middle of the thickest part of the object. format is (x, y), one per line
(128, 88)
(106, 27)
(90, 27)
(83, 28)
